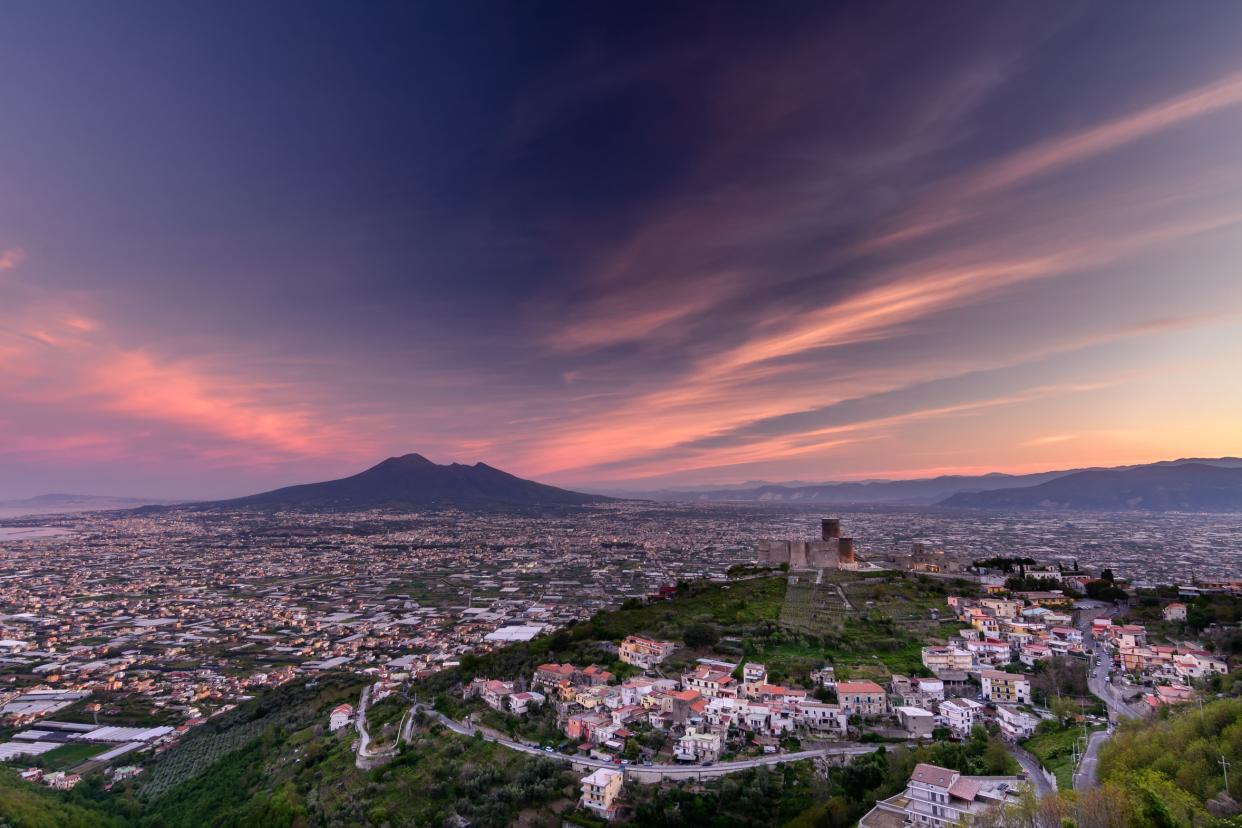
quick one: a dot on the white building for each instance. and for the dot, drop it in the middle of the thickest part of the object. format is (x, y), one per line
(961, 715)
(1015, 724)
(940, 798)
(340, 717)
(822, 718)
(698, 747)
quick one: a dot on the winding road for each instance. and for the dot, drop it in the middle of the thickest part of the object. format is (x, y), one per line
(367, 758)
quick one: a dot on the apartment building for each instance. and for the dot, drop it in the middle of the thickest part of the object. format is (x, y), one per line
(1006, 688)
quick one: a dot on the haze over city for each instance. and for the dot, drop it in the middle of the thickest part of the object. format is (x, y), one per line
(244, 246)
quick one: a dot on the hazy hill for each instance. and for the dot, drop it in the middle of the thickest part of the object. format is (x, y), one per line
(56, 504)
(413, 481)
(923, 492)
(910, 492)
(1188, 487)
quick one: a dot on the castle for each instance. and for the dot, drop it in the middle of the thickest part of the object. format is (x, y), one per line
(832, 552)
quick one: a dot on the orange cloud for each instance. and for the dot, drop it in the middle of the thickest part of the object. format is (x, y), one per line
(57, 358)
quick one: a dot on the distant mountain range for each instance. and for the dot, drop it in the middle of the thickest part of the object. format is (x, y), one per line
(59, 504)
(1167, 485)
(1189, 487)
(413, 481)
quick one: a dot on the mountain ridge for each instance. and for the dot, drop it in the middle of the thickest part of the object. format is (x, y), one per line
(1183, 487)
(411, 480)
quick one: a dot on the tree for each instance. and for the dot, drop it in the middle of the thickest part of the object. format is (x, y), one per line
(701, 634)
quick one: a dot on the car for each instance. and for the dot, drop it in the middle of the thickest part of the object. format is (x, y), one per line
(707, 764)
(547, 749)
(625, 761)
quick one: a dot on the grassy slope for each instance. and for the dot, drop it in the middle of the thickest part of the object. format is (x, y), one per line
(1055, 750)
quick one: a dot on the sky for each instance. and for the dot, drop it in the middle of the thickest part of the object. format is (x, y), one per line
(626, 245)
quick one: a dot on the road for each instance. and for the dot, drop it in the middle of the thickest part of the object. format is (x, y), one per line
(368, 758)
(1085, 775)
(666, 771)
(1034, 770)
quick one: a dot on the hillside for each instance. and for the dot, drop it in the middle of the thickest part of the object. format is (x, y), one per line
(1188, 487)
(272, 761)
(413, 481)
(1169, 770)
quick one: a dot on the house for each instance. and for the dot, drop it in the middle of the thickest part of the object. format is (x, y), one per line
(939, 798)
(710, 681)
(1015, 724)
(645, 652)
(825, 676)
(917, 692)
(593, 676)
(1174, 612)
(916, 721)
(495, 692)
(1009, 688)
(862, 698)
(551, 675)
(633, 690)
(961, 715)
(600, 792)
(340, 717)
(61, 781)
(522, 703)
(698, 747)
(1032, 653)
(947, 658)
(754, 673)
(822, 718)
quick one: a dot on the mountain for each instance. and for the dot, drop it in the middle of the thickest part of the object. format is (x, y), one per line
(413, 481)
(1184, 487)
(922, 492)
(59, 504)
(872, 492)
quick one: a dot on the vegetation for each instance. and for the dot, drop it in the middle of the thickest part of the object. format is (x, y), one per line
(1171, 767)
(1053, 744)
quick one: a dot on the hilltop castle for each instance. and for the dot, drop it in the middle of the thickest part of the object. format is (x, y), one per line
(832, 552)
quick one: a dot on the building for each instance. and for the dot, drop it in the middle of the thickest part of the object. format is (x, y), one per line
(600, 792)
(1006, 688)
(522, 703)
(698, 747)
(830, 552)
(711, 681)
(822, 718)
(961, 715)
(947, 658)
(939, 797)
(862, 698)
(916, 721)
(1015, 724)
(753, 673)
(645, 652)
(1175, 612)
(340, 717)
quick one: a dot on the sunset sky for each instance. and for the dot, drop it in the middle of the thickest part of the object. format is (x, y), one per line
(614, 244)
